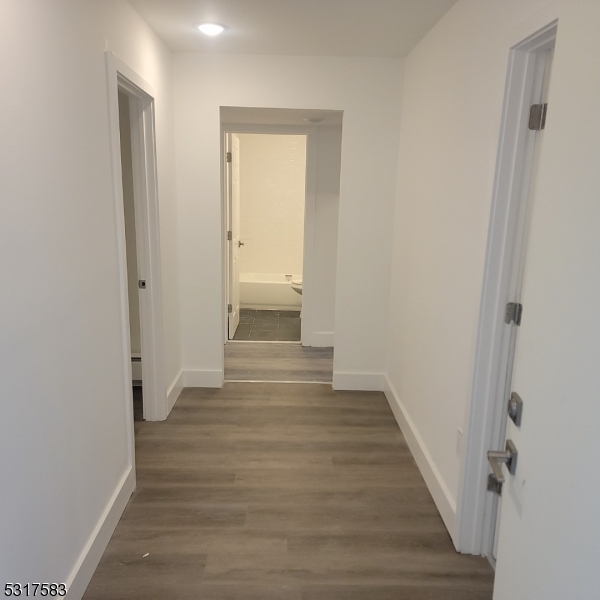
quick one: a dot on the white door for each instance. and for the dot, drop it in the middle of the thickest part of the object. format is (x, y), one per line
(539, 98)
(234, 228)
(550, 531)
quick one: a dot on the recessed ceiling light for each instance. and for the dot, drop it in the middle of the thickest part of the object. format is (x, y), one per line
(211, 28)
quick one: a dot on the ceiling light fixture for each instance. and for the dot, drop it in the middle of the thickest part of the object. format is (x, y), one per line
(315, 120)
(211, 28)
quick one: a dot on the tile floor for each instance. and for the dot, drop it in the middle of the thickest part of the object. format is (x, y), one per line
(269, 325)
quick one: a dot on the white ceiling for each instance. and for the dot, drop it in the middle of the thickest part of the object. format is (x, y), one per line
(295, 27)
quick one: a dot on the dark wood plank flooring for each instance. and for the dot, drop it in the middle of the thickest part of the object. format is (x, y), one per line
(249, 361)
(281, 492)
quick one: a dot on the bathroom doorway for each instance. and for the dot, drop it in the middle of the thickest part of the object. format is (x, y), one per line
(281, 181)
(266, 177)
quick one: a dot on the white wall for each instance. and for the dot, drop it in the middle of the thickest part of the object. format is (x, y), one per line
(63, 440)
(453, 98)
(454, 88)
(203, 83)
(272, 194)
(327, 205)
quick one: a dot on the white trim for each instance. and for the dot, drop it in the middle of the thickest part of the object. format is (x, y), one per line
(322, 339)
(361, 382)
(433, 478)
(277, 307)
(175, 391)
(90, 556)
(485, 411)
(203, 379)
(310, 219)
(271, 381)
(263, 342)
(141, 96)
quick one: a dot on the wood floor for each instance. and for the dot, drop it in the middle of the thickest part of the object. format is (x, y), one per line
(281, 492)
(250, 361)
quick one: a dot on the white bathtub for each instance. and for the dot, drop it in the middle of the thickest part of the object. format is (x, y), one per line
(268, 291)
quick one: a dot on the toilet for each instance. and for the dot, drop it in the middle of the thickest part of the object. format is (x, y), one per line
(297, 285)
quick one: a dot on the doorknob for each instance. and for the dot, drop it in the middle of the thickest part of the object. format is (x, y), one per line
(240, 244)
(496, 459)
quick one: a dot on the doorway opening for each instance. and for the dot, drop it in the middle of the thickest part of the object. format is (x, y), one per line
(133, 145)
(267, 191)
(494, 406)
(133, 281)
(281, 180)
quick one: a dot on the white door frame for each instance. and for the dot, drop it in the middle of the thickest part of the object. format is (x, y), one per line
(310, 209)
(141, 102)
(229, 187)
(508, 218)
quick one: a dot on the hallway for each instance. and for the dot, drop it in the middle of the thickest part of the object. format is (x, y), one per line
(282, 491)
(257, 361)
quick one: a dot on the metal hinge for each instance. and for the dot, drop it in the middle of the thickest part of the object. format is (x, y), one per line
(229, 308)
(515, 408)
(537, 117)
(229, 157)
(514, 312)
(229, 236)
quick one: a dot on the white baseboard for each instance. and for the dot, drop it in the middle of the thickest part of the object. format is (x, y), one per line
(362, 382)
(203, 379)
(174, 392)
(279, 307)
(90, 556)
(435, 482)
(136, 371)
(321, 339)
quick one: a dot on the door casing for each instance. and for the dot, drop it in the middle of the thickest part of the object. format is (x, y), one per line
(141, 102)
(486, 419)
(309, 216)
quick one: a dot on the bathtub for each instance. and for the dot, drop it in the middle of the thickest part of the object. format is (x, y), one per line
(268, 291)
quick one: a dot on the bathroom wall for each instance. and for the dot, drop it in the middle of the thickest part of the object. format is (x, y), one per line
(272, 187)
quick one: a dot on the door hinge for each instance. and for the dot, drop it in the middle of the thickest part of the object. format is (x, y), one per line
(514, 312)
(515, 409)
(229, 236)
(229, 157)
(229, 308)
(537, 117)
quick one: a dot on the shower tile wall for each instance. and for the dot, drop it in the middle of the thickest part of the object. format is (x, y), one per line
(272, 180)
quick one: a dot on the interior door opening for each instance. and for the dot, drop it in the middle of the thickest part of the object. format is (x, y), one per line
(281, 193)
(135, 187)
(266, 201)
(133, 280)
